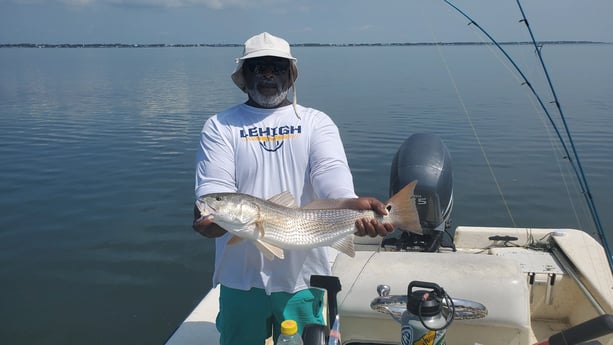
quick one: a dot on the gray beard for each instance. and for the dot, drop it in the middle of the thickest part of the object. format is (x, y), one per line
(267, 101)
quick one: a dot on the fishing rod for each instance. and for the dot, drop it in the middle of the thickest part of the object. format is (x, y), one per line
(583, 179)
(576, 163)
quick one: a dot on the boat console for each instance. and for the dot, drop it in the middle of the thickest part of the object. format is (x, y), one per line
(495, 282)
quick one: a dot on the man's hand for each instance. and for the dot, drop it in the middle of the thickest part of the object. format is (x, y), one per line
(205, 226)
(365, 226)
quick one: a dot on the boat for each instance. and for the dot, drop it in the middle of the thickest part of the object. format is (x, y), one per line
(509, 285)
(530, 294)
(502, 285)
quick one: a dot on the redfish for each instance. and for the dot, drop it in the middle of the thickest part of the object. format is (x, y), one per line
(277, 224)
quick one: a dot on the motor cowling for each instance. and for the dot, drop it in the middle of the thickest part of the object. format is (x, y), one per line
(425, 158)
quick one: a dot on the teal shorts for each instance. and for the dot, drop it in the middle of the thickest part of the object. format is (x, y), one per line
(250, 317)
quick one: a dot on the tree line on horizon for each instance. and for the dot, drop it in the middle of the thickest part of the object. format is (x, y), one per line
(166, 45)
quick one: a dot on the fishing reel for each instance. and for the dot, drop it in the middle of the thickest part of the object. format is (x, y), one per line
(425, 158)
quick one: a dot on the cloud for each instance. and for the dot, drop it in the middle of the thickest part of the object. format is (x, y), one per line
(212, 4)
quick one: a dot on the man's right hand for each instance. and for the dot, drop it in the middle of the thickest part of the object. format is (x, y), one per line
(205, 226)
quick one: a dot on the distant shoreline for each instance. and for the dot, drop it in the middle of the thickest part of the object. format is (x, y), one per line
(164, 45)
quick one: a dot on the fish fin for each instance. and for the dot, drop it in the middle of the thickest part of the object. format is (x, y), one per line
(234, 240)
(284, 199)
(403, 211)
(201, 206)
(269, 251)
(322, 204)
(260, 227)
(345, 245)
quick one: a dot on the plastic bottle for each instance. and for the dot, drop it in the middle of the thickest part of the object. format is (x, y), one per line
(423, 321)
(335, 332)
(289, 334)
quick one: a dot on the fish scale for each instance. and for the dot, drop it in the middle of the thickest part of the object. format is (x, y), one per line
(275, 224)
(299, 228)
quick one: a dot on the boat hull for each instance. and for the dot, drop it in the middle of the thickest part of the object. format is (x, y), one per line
(530, 294)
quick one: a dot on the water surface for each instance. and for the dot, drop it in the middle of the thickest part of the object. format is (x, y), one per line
(97, 152)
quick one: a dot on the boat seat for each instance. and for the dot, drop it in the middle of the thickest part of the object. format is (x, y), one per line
(494, 281)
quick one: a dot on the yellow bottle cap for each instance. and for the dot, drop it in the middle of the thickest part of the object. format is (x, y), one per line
(289, 327)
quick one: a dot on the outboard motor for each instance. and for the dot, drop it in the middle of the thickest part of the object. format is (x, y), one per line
(424, 157)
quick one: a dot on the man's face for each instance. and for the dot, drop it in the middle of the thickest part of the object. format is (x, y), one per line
(267, 80)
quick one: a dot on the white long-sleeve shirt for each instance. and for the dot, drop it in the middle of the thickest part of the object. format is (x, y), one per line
(264, 152)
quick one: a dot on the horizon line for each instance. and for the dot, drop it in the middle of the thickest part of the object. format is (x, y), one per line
(170, 45)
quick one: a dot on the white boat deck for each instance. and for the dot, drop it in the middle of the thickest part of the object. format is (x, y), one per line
(481, 270)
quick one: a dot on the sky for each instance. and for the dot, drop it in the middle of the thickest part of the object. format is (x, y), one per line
(298, 21)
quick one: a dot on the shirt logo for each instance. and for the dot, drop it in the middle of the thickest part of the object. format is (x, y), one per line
(270, 138)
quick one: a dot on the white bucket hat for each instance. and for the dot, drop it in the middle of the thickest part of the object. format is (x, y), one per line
(264, 44)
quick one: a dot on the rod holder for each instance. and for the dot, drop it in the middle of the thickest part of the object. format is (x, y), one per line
(551, 280)
(531, 278)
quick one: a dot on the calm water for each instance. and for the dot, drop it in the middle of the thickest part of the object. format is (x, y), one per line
(97, 150)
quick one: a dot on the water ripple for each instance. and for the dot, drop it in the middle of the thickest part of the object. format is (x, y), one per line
(97, 150)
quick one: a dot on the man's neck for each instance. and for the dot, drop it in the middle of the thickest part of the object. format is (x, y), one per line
(252, 103)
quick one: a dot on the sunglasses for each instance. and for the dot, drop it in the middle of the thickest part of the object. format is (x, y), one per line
(277, 67)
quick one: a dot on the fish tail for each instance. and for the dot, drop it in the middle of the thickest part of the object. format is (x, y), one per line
(403, 211)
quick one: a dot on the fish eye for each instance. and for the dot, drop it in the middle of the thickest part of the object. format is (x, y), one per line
(388, 208)
(218, 198)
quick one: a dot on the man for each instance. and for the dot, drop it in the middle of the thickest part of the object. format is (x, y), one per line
(263, 147)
